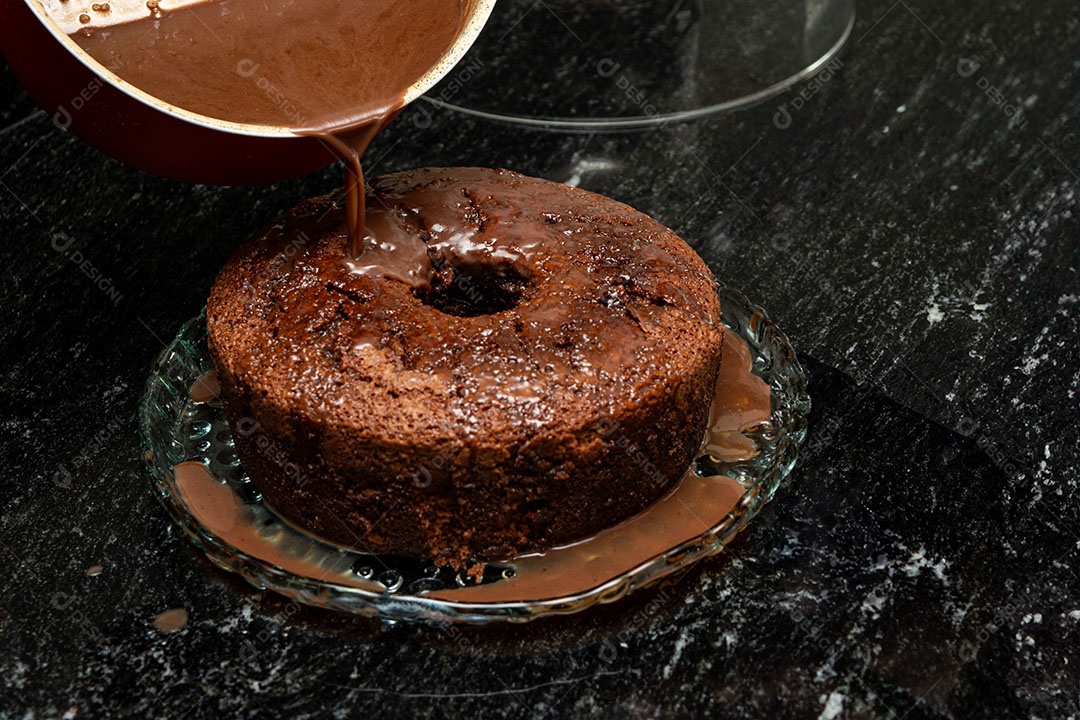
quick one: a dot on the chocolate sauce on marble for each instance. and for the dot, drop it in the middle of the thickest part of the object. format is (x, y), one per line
(172, 620)
(330, 69)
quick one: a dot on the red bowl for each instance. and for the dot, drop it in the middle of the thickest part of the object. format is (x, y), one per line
(133, 127)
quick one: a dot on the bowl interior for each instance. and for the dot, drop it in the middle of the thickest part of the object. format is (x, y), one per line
(61, 18)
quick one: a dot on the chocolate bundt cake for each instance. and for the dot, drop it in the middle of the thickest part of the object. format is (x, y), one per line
(509, 364)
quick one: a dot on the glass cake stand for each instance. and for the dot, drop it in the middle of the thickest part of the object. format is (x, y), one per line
(608, 64)
(189, 457)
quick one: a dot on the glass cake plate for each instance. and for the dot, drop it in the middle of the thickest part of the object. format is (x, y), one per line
(189, 456)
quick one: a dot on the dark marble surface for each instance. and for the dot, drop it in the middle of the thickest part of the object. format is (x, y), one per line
(918, 245)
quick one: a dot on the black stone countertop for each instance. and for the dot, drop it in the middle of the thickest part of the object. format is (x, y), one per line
(919, 246)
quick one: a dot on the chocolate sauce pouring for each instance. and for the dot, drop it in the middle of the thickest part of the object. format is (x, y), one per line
(332, 69)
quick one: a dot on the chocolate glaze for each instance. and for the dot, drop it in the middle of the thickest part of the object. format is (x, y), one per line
(589, 288)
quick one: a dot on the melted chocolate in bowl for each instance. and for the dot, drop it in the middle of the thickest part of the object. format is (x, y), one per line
(333, 69)
(302, 64)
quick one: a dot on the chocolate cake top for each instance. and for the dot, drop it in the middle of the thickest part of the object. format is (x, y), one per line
(506, 302)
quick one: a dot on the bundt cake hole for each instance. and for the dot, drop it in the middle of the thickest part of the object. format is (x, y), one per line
(474, 291)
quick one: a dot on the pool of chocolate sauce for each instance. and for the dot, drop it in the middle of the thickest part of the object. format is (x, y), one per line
(221, 512)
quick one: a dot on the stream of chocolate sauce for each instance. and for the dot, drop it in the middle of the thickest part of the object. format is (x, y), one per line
(332, 69)
(694, 506)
